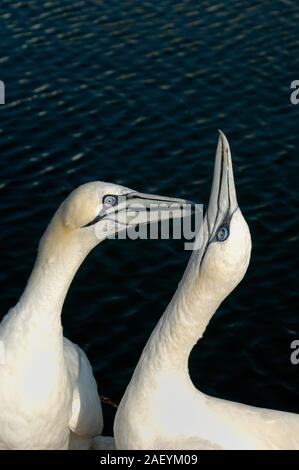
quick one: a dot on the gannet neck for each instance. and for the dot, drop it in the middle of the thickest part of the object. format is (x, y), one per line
(161, 380)
(184, 321)
(59, 256)
(161, 407)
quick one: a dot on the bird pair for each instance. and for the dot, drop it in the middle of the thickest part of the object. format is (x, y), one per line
(48, 395)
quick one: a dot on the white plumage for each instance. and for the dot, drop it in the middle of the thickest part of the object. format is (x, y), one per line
(161, 408)
(48, 395)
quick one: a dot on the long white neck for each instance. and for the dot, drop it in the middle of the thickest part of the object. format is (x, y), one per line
(59, 257)
(31, 331)
(50, 280)
(205, 284)
(183, 323)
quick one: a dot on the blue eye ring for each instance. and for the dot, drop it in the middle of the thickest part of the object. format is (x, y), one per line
(222, 233)
(109, 200)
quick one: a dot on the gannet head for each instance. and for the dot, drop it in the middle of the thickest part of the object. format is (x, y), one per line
(98, 210)
(225, 243)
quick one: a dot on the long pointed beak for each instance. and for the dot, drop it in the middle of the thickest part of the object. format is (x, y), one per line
(155, 208)
(152, 201)
(148, 208)
(223, 200)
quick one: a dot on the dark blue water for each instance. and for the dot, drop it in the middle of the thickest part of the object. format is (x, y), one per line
(134, 92)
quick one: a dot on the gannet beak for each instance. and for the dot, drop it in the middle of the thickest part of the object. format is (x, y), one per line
(156, 208)
(138, 208)
(141, 209)
(223, 200)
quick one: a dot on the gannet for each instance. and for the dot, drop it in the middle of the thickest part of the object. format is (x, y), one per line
(48, 394)
(161, 408)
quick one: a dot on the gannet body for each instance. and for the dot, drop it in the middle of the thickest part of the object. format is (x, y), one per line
(161, 408)
(48, 395)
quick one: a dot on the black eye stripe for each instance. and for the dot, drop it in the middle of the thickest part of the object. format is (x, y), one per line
(102, 214)
(93, 221)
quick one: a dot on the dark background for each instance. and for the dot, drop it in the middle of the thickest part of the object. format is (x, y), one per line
(133, 92)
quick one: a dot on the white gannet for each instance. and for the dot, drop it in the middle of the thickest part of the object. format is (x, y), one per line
(161, 408)
(48, 395)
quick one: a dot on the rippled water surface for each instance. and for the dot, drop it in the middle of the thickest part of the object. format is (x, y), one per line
(133, 92)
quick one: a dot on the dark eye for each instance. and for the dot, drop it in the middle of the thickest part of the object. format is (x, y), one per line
(222, 234)
(109, 200)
